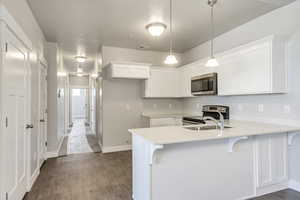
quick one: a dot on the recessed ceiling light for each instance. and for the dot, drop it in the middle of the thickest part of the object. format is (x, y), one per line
(156, 29)
(80, 59)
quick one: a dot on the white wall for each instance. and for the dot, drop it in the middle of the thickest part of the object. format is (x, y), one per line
(21, 12)
(283, 21)
(122, 99)
(79, 81)
(56, 104)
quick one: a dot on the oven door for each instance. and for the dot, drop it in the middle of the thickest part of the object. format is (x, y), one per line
(204, 84)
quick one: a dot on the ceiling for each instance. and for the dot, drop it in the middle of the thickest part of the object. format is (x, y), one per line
(82, 26)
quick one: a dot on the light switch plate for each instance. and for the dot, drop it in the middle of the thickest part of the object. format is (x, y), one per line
(154, 106)
(286, 109)
(198, 105)
(170, 105)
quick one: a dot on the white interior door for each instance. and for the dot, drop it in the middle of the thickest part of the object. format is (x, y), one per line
(79, 103)
(43, 114)
(15, 68)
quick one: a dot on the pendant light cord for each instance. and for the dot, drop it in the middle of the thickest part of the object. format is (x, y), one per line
(212, 29)
(171, 27)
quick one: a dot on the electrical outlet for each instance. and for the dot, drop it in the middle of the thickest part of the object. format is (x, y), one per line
(260, 108)
(154, 106)
(286, 109)
(128, 107)
(170, 106)
(198, 105)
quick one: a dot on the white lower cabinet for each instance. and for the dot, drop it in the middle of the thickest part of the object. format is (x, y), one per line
(195, 170)
(271, 159)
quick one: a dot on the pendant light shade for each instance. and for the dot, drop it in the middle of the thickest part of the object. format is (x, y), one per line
(212, 62)
(171, 58)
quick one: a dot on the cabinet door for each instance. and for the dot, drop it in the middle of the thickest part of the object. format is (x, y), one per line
(162, 83)
(271, 154)
(246, 71)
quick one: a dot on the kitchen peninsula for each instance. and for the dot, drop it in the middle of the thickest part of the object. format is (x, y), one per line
(245, 160)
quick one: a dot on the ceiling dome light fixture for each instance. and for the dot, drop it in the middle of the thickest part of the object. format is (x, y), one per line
(212, 62)
(80, 59)
(156, 28)
(171, 58)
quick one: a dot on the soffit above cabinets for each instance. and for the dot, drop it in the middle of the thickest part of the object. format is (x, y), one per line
(127, 70)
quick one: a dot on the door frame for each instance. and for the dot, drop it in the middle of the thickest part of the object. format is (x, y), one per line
(71, 87)
(43, 66)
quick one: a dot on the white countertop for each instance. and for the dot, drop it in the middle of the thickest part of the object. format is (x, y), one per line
(178, 134)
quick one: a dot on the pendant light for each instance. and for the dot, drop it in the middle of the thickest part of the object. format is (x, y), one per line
(171, 58)
(212, 62)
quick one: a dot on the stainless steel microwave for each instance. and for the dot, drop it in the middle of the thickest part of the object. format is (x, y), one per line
(206, 84)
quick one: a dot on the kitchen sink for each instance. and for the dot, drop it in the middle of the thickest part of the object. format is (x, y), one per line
(203, 128)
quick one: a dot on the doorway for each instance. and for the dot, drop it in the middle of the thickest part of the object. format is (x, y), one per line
(80, 138)
(79, 104)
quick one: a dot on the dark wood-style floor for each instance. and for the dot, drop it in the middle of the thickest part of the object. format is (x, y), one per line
(97, 176)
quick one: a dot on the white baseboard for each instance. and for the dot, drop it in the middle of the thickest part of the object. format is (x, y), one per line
(33, 179)
(55, 154)
(112, 149)
(295, 185)
(272, 188)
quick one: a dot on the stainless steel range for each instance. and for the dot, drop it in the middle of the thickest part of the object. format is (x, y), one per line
(207, 111)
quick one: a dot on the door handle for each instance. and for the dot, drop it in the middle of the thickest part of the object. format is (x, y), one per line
(42, 120)
(28, 126)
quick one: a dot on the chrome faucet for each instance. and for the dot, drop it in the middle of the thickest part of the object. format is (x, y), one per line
(220, 123)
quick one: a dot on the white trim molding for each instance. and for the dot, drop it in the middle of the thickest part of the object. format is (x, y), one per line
(295, 185)
(33, 178)
(55, 154)
(112, 149)
(14, 27)
(153, 149)
(233, 141)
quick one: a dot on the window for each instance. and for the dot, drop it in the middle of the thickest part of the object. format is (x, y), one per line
(75, 92)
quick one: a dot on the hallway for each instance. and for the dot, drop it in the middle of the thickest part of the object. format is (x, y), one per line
(80, 140)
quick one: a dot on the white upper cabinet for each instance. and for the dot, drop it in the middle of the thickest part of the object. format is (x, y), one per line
(129, 70)
(256, 68)
(162, 83)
